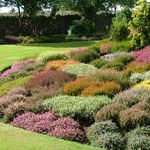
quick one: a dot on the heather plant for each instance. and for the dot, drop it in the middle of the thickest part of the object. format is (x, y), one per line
(142, 56)
(11, 40)
(135, 67)
(6, 87)
(49, 79)
(85, 56)
(51, 124)
(139, 139)
(132, 96)
(88, 87)
(110, 140)
(110, 112)
(110, 75)
(59, 64)
(137, 77)
(106, 47)
(134, 117)
(145, 83)
(49, 56)
(98, 63)
(79, 69)
(98, 128)
(77, 107)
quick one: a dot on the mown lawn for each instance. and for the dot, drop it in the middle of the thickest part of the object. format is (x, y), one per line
(10, 53)
(17, 139)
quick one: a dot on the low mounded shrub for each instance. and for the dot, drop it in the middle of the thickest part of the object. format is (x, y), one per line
(110, 75)
(84, 56)
(89, 87)
(76, 107)
(134, 117)
(106, 47)
(59, 64)
(110, 140)
(135, 67)
(125, 59)
(137, 77)
(142, 56)
(132, 96)
(139, 139)
(6, 87)
(110, 112)
(48, 79)
(98, 63)
(49, 56)
(114, 65)
(98, 128)
(79, 69)
(145, 83)
(50, 124)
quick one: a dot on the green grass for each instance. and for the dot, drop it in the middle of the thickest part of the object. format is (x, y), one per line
(17, 139)
(11, 53)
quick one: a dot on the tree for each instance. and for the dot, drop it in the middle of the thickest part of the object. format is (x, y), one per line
(140, 24)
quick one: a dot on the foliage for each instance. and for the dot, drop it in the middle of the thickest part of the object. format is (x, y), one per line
(51, 124)
(110, 75)
(47, 56)
(89, 87)
(119, 29)
(48, 79)
(140, 25)
(76, 107)
(110, 140)
(137, 77)
(106, 47)
(84, 56)
(98, 128)
(145, 83)
(6, 87)
(59, 64)
(79, 69)
(139, 139)
(98, 63)
(142, 56)
(135, 67)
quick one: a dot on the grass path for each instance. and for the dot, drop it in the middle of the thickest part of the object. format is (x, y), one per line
(17, 139)
(11, 53)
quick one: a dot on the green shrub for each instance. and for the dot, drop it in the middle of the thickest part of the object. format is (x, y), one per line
(84, 56)
(98, 63)
(79, 69)
(123, 46)
(99, 128)
(6, 87)
(47, 56)
(119, 29)
(140, 24)
(139, 139)
(76, 107)
(125, 59)
(114, 65)
(110, 141)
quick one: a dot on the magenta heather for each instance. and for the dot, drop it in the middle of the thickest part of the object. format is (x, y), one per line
(143, 55)
(50, 124)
